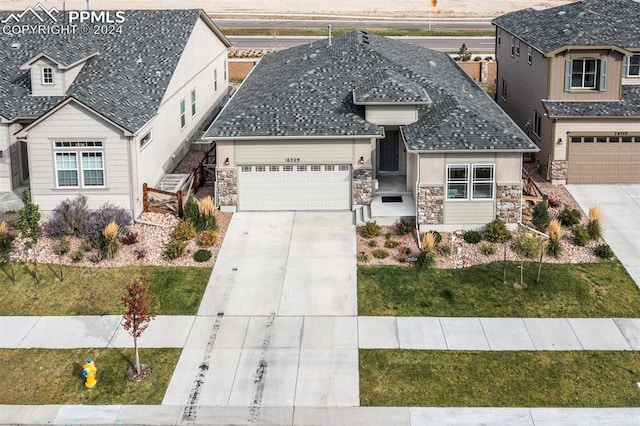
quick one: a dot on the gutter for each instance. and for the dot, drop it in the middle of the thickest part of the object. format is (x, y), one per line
(275, 137)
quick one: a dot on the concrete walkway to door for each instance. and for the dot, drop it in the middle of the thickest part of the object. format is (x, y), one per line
(620, 205)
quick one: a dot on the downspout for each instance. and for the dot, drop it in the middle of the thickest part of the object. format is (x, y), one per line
(416, 200)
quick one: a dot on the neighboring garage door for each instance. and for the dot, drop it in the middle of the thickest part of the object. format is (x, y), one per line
(604, 159)
(299, 187)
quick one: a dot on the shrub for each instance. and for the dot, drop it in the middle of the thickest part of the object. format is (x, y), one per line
(444, 249)
(370, 230)
(129, 239)
(202, 255)
(477, 59)
(603, 251)
(487, 249)
(77, 255)
(110, 243)
(569, 217)
(208, 238)
(554, 247)
(62, 247)
(553, 201)
(528, 245)
(106, 214)
(391, 244)
(497, 231)
(380, 253)
(594, 224)
(580, 236)
(363, 256)
(184, 231)
(425, 260)
(428, 242)
(372, 243)
(472, 237)
(207, 219)
(404, 226)
(403, 254)
(174, 249)
(70, 217)
(29, 219)
(86, 245)
(388, 235)
(190, 210)
(540, 217)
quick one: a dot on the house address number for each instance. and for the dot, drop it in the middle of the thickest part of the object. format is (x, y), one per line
(292, 160)
(621, 133)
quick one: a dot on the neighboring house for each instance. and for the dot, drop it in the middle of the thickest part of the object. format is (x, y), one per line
(336, 123)
(570, 76)
(102, 114)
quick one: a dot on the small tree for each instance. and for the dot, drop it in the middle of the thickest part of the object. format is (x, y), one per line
(540, 217)
(464, 53)
(141, 307)
(29, 226)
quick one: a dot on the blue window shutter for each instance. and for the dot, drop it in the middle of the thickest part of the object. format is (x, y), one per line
(625, 66)
(567, 75)
(603, 75)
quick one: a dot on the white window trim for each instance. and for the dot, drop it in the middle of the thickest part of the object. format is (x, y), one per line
(504, 93)
(224, 71)
(44, 80)
(215, 79)
(583, 73)
(144, 144)
(183, 113)
(82, 169)
(448, 181)
(79, 169)
(470, 181)
(537, 118)
(518, 47)
(513, 46)
(56, 170)
(194, 99)
(529, 55)
(492, 181)
(637, 56)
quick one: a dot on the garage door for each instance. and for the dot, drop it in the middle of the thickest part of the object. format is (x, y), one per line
(299, 187)
(604, 159)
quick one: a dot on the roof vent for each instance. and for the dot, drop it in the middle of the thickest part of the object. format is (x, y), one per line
(15, 45)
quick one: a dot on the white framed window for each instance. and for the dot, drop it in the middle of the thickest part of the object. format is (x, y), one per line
(47, 75)
(503, 92)
(537, 124)
(482, 181)
(193, 102)
(183, 114)
(224, 70)
(315, 168)
(585, 73)
(529, 55)
(148, 137)
(632, 66)
(498, 36)
(457, 181)
(79, 168)
(513, 46)
(517, 47)
(215, 79)
(274, 168)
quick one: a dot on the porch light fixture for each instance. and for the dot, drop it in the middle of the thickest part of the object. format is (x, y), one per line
(559, 141)
(226, 161)
(360, 161)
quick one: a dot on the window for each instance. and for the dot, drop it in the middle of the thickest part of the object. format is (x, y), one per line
(513, 46)
(224, 70)
(585, 73)
(248, 169)
(503, 93)
(517, 47)
(482, 182)
(193, 102)
(315, 168)
(183, 114)
(47, 75)
(88, 172)
(215, 80)
(498, 36)
(146, 139)
(529, 55)
(632, 65)
(457, 182)
(274, 168)
(537, 123)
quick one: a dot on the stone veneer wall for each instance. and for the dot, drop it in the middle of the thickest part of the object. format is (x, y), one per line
(227, 187)
(509, 203)
(430, 205)
(559, 170)
(362, 186)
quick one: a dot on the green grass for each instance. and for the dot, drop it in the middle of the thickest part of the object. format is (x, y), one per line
(499, 379)
(54, 376)
(97, 291)
(601, 289)
(320, 32)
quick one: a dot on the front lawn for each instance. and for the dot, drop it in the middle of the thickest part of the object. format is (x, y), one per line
(97, 291)
(499, 379)
(54, 376)
(565, 290)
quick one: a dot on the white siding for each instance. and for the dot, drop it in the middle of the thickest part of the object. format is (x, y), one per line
(5, 161)
(75, 123)
(195, 70)
(391, 115)
(468, 212)
(39, 89)
(303, 152)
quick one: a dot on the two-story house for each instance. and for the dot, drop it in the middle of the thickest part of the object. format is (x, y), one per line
(570, 77)
(99, 109)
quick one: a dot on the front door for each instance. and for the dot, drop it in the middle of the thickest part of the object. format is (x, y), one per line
(389, 150)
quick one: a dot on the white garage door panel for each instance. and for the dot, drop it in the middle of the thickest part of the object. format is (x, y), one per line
(318, 187)
(604, 159)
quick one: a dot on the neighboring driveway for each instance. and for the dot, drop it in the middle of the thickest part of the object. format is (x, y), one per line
(277, 325)
(620, 205)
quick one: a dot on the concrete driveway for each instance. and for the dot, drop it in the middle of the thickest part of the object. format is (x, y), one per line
(620, 205)
(277, 326)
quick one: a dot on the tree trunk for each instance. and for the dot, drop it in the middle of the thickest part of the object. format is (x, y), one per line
(60, 266)
(13, 274)
(135, 345)
(539, 267)
(504, 266)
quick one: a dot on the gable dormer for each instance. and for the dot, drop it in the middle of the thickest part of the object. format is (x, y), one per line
(51, 75)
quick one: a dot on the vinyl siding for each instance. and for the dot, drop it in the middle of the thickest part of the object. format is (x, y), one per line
(307, 152)
(468, 212)
(391, 115)
(73, 122)
(39, 89)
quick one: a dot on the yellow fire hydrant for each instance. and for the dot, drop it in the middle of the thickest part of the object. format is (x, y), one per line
(89, 372)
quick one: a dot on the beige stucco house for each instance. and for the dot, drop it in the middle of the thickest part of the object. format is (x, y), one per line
(102, 114)
(348, 122)
(570, 77)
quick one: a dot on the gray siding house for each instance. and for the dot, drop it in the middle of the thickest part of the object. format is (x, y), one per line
(336, 124)
(570, 77)
(100, 115)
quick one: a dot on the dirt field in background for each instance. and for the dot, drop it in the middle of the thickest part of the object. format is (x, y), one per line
(406, 8)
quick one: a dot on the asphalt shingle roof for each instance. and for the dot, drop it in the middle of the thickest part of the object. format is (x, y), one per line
(125, 81)
(583, 23)
(308, 91)
(628, 106)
